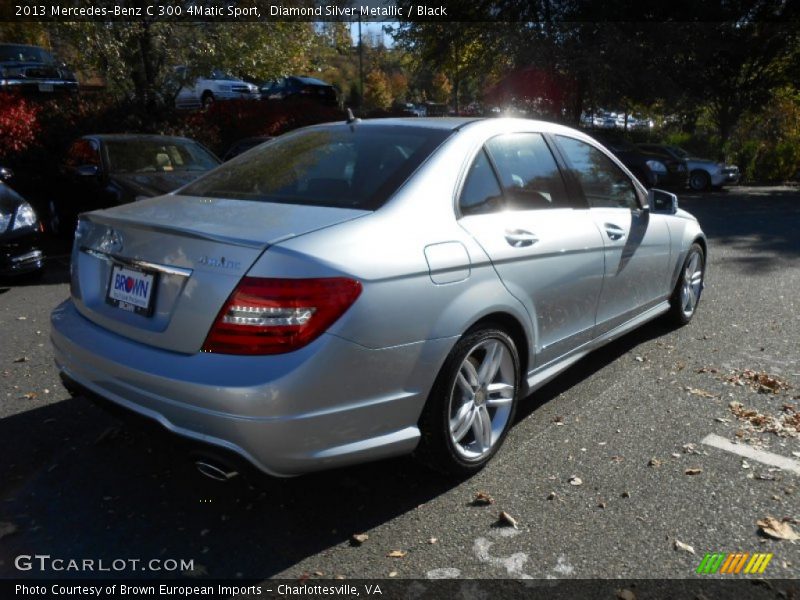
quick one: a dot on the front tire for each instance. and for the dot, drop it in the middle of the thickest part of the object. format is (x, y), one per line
(686, 295)
(699, 181)
(472, 403)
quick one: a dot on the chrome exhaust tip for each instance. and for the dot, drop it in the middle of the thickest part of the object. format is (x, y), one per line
(214, 471)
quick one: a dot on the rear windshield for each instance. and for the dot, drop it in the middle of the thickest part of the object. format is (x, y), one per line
(13, 53)
(152, 156)
(334, 165)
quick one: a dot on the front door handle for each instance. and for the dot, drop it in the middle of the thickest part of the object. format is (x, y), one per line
(614, 232)
(520, 238)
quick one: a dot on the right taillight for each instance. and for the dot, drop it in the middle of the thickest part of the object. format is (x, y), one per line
(273, 316)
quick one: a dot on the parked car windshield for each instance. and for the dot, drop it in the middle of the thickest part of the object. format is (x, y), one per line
(333, 165)
(14, 53)
(143, 156)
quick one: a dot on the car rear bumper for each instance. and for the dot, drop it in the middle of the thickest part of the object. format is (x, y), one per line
(329, 404)
(42, 87)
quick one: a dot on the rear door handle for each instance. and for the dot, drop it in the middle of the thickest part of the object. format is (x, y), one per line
(520, 238)
(614, 232)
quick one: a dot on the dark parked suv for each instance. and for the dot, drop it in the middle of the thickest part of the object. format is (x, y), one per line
(33, 70)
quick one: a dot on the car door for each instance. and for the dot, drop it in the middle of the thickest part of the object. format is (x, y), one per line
(545, 248)
(637, 241)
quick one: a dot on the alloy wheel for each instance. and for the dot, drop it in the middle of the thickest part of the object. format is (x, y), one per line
(482, 399)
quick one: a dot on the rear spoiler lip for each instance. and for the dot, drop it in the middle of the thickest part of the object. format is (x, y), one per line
(183, 231)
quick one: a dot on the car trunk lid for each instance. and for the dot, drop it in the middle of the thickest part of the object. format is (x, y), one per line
(158, 271)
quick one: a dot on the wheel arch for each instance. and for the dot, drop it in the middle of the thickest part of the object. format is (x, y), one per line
(511, 325)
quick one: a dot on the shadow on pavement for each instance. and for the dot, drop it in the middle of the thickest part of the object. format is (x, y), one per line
(763, 220)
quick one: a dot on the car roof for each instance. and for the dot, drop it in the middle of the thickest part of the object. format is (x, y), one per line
(311, 80)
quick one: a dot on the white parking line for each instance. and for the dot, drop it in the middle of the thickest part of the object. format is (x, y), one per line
(767, 458)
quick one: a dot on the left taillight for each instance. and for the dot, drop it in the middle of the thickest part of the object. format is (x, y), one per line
(274, 316)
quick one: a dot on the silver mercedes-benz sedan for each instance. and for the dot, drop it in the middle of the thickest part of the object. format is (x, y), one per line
(359, 290)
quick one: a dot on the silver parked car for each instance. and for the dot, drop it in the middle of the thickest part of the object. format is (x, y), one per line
(704, 173)
(359, 290)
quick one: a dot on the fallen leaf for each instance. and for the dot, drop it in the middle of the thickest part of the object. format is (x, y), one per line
(338, 576)
(699, 392)
(654, 462)
(685, 547)
(197, 570)
(7, 528)
(397, 554)
(21, 359)
(319, 573)
(358, 538)
(575, 480)
(639, 359)
(626, 595)
(433, 540)
(506, 520)
(30, 396)
(482, 499)
(392, 573)
(601, 504)
(777, 529)
(693, 471)
(551, 496)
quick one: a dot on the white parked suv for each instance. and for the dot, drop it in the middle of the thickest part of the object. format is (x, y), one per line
(219, 85)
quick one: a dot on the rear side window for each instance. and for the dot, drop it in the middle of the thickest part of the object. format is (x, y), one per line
(82, 153)
(528, 172)
(337, 165)
(481, 192)
(604, 183)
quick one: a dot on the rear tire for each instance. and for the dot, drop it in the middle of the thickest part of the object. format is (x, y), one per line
(686, 295)
(472, 403)
(207, 100)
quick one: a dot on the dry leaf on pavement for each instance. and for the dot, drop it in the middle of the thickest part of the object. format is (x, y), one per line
(358, 538)
(776, 529)
(482, 499)
(693, 471)
(685, 547)
(506, 520)
(397, 554)
(7, 528)
(575, 480)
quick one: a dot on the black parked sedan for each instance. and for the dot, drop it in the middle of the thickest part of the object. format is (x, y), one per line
(33, 70)
(300, 87)
(630, 155)
(100, 171)
(20, 232)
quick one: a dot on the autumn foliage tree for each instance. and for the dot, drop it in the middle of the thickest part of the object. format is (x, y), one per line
(378, 91)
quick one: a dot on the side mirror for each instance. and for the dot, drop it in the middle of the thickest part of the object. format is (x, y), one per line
(88, 170)
(6, 173)
(662, 202)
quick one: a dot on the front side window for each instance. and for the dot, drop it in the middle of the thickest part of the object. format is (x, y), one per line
(82, 153)
(604, 184)
(528, 172)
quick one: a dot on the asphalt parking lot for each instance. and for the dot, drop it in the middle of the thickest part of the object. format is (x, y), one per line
(609, 471)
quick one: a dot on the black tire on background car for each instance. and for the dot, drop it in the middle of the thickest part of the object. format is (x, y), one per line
(686, 295)
(472, 403)
(699, 180)
(207, 99)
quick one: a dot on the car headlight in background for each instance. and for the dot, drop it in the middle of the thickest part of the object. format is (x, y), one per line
(657, 166)
(25, 217)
